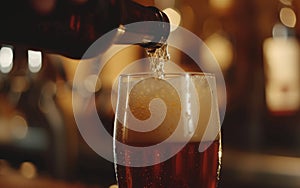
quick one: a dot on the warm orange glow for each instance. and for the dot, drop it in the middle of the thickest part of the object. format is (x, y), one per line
(282, 72)
(174, 17)
(28, 170)
(221, 4)
(222, 49)
(288, 17)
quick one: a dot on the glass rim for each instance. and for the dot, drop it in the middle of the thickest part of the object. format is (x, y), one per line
(167, 74)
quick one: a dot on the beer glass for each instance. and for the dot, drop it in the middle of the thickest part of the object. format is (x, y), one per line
(167, 131)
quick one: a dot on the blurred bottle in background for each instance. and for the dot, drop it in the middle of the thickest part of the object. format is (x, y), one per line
(281, 52)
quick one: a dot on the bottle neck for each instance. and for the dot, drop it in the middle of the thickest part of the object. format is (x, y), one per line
(69, 29)
(152, 33)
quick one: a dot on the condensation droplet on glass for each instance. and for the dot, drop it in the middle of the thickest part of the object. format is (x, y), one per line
(188, 116)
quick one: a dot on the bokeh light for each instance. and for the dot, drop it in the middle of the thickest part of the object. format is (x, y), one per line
(6, 59)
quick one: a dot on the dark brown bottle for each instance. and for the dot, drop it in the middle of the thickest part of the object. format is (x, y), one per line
(69, 28)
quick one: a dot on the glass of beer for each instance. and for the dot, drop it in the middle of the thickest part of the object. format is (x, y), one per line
(167, 131)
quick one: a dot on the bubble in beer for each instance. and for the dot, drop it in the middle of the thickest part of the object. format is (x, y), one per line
(142, 95)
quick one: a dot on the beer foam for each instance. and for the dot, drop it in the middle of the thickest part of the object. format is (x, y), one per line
(186, 108)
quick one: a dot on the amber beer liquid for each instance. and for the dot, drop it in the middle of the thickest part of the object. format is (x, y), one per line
(185, 110)
(187, 169)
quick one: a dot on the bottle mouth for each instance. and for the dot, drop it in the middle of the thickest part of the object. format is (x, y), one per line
(162, 32)
(149, 27)
(151, 46)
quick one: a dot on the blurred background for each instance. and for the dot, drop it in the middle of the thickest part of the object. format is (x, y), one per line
(256, 43)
